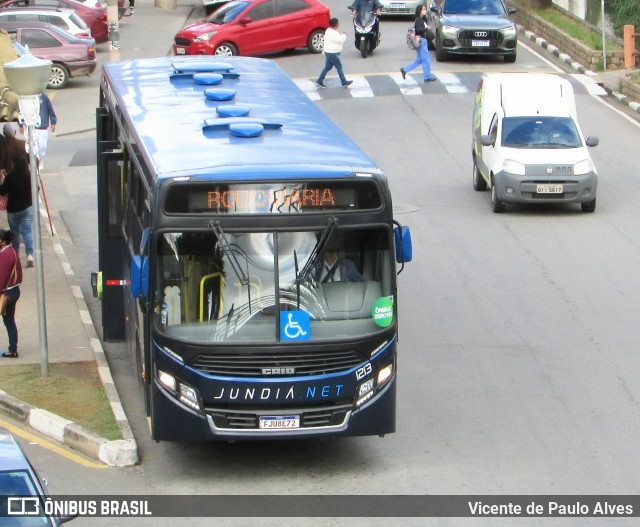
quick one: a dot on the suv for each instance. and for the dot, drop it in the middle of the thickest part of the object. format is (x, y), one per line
(473, 27)
(527, 145)
(65, 19)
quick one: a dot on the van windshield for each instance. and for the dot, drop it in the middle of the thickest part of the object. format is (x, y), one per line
(540, 132)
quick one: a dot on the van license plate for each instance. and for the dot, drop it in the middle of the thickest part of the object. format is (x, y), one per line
(180, 51)
(480, 43)
(281, 422)
(549, 189)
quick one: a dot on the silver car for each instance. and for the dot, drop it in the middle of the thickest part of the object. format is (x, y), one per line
(473, 27)
(400, 8)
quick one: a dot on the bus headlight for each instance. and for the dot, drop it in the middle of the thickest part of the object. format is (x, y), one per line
(189, 396)
(365, 392)
(385, 374)
(183, 392)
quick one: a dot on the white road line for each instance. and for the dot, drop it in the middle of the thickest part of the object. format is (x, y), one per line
(591, 85)
(309, 88)
(407, 86)
(360, 88)
(452, 83)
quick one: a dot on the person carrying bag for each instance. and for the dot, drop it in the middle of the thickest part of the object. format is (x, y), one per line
(10, 280)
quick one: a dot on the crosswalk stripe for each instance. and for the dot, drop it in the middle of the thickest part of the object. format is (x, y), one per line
(360, 88)
(408, 86)
(309, 88)
(452, 83)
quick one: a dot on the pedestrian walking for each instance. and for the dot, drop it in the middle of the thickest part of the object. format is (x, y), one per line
(10, 280)
(48, 120)
(131, 6)
(333, 42)
(16, 185)
(422, 53)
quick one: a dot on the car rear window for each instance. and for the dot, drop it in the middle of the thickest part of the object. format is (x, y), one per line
(78, 21)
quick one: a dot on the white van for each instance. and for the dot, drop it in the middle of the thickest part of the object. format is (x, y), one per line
(527, 145)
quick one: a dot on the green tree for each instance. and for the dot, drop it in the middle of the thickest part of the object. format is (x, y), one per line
(623, 12)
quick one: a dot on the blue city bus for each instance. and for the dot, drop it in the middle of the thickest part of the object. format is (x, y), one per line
(248, 254)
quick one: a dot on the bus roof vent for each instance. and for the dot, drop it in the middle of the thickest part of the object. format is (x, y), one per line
(208, 79)
(219, 94)
(232, 110)
(191, 69)
(240, 126)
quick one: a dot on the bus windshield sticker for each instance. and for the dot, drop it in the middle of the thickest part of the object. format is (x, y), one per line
(382, 311)
(295, 325)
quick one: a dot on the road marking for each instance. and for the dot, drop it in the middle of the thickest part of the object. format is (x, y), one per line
(591, 85)
(50, 446)
(408, 86)
(360, 88)
(452, 83)
(309, 88)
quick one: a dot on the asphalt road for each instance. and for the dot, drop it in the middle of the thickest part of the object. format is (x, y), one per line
(518, 364)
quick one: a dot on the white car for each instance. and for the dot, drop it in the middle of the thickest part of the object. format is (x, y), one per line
(527, 144)
(65, 19)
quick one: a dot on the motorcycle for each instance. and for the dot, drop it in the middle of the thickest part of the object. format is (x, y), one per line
(366, 28)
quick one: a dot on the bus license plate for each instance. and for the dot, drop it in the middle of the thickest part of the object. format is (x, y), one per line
(397, 6)
(480, 43)
(549, 189)
(180, 51)
(279, 422)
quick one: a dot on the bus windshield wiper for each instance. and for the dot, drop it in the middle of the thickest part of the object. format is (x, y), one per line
(228, 251)
(317, 251)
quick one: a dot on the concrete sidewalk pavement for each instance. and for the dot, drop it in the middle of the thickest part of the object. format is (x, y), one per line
(70, 332)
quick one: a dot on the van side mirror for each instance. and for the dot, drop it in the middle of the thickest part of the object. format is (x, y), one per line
(592, 140)
(487, 140)
(512, 10)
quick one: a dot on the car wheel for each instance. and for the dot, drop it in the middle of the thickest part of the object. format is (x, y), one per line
(589, 206)
(441, 54)
(510, 58)
(226, 49)
(59, 77)
(497, 206)
(479, 182)
(315, 42)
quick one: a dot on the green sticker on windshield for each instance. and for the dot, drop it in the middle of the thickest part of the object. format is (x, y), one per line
(382, 311)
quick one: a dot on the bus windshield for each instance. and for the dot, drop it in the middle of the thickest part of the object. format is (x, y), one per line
(221, 286)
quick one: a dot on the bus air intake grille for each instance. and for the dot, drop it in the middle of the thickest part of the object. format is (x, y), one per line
(316, 418)
(277, 365)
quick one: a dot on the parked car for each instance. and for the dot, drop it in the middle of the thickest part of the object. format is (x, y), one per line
(473, 27)
(71, 56)
(94, 17)
(527, 146)
(65, 19)
(253, 27)
(404, 8)
(19, 478)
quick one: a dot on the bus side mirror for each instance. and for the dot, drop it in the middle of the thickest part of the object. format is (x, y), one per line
(139, 280)
(404, 248)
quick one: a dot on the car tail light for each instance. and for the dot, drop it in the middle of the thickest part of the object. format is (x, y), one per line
(91, 52)
(83, 35)
(103, 17)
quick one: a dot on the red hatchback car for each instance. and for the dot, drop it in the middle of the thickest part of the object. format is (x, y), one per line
(95, 17)
(253, 27)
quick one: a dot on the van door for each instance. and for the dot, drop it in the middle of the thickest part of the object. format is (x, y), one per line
(489, 161)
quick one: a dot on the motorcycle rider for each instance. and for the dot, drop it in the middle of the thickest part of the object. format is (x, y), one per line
(366, 6)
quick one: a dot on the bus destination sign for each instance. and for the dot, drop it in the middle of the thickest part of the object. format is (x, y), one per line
(257, 198)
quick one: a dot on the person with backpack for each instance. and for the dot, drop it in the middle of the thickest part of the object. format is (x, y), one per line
(421, 27)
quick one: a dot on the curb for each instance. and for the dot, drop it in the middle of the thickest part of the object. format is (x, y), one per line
(117, 453)
(579, 68)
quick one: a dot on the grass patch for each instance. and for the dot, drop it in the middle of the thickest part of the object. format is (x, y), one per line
(73, 390)
(571, 26)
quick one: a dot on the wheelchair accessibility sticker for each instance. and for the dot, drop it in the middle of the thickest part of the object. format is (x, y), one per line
(295, 325)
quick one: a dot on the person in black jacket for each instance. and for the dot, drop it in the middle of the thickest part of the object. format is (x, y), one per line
(16, 185)
(422, 53)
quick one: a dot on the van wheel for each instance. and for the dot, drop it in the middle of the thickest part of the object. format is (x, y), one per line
(589, 206)
(479, 182)
(441, 54)
(497, 206)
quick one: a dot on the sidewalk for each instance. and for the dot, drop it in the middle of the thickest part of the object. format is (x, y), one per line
(70, 332)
